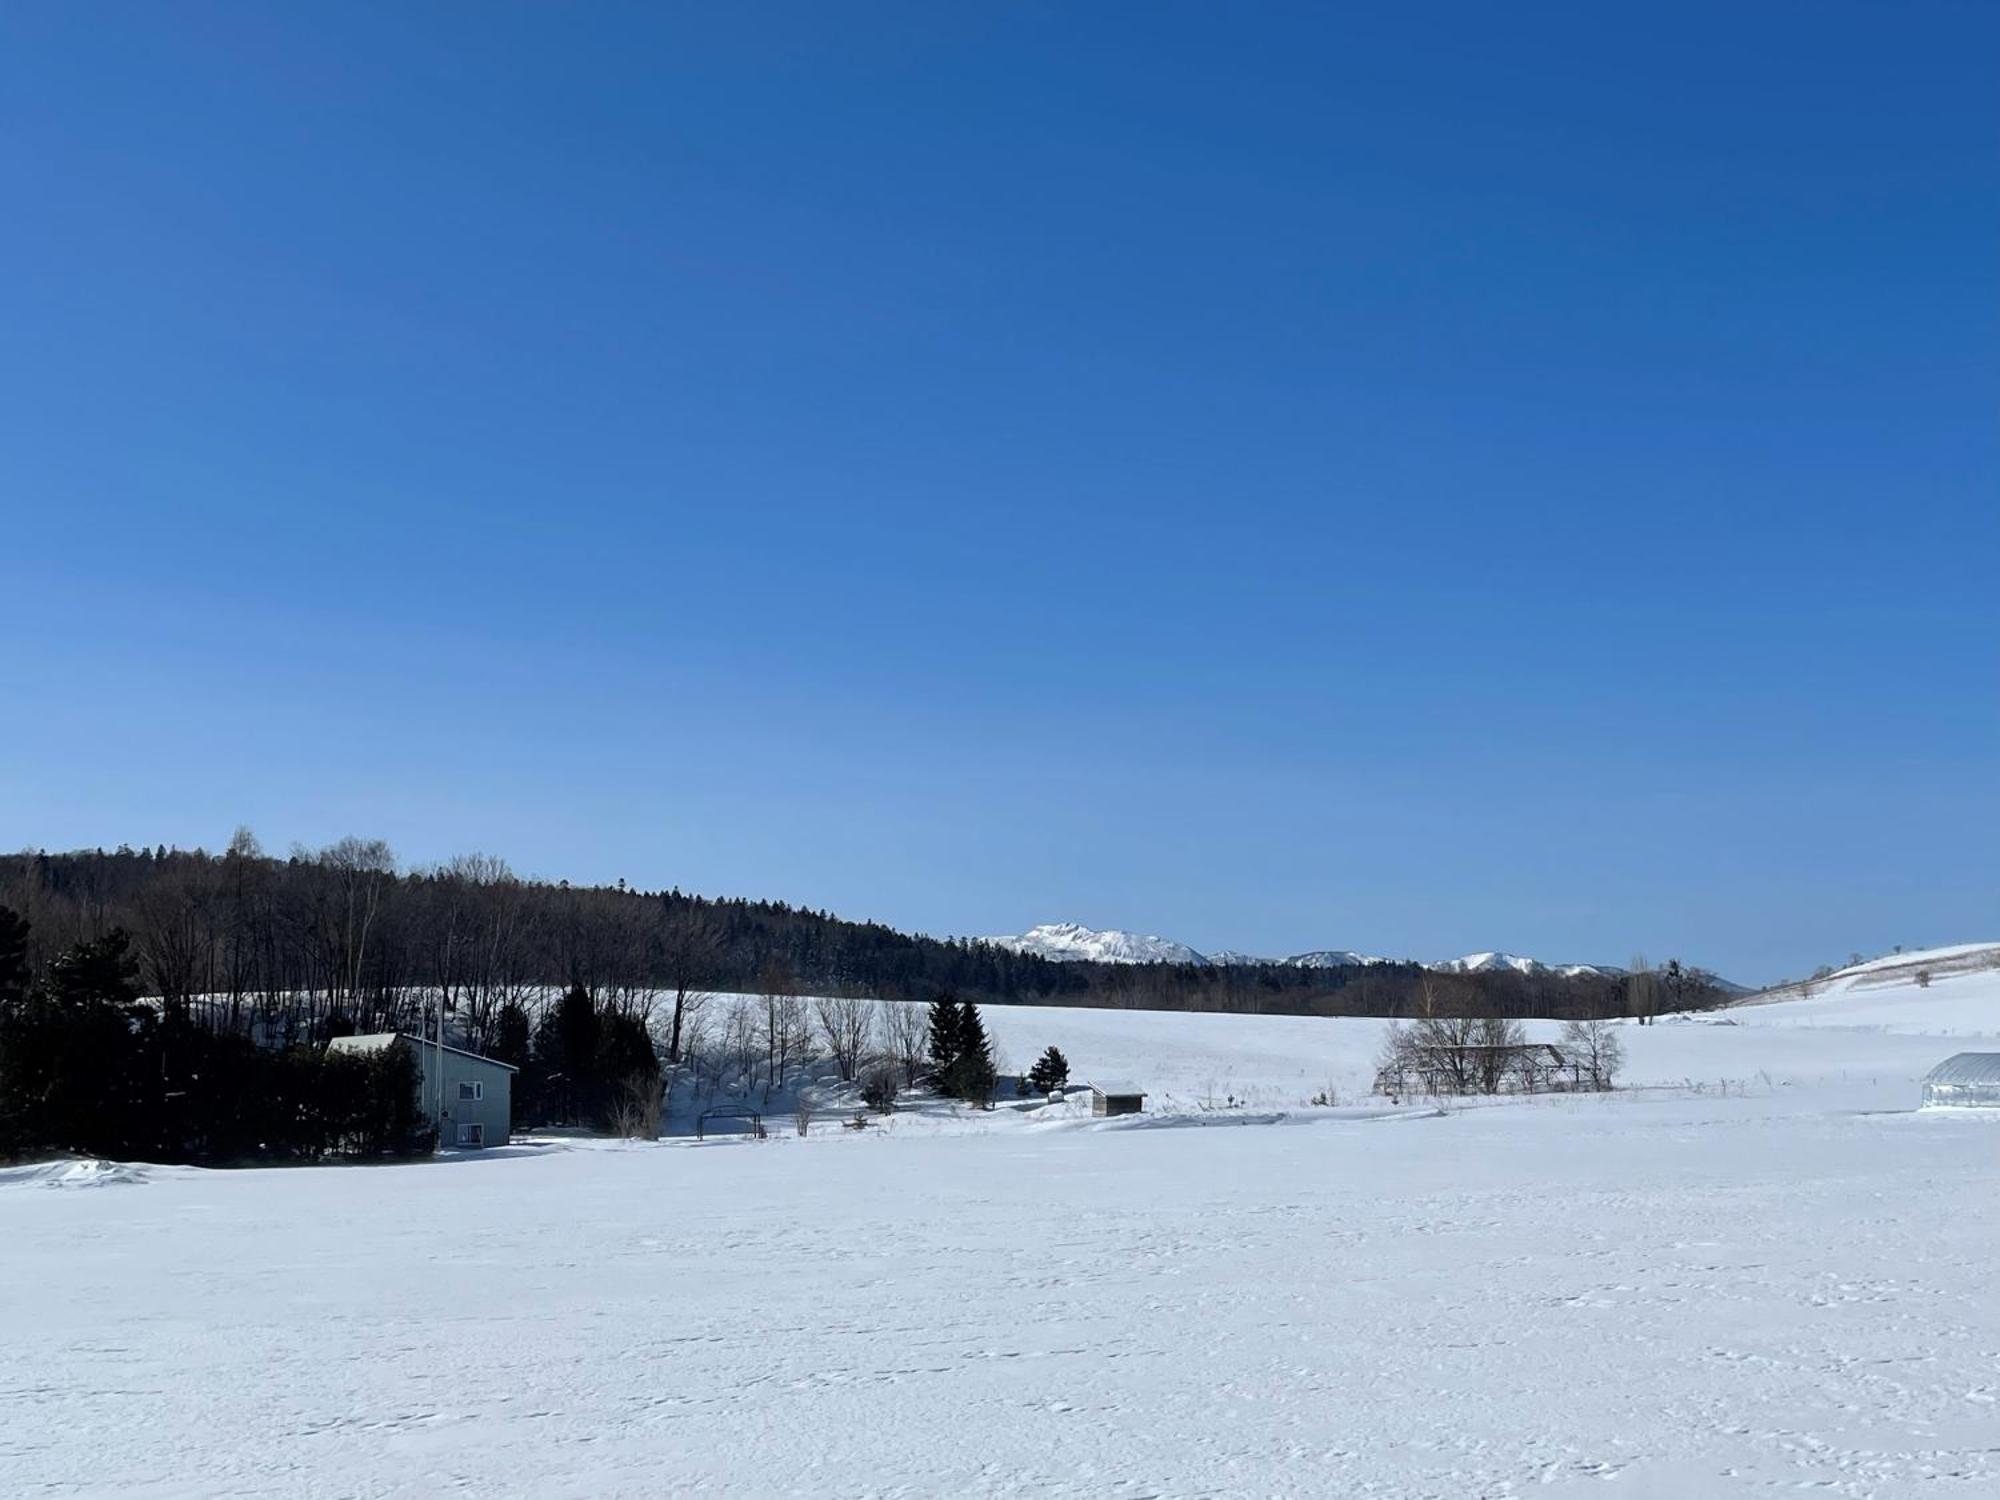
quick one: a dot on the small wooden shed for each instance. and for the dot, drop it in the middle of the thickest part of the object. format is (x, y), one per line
(1117, 1098)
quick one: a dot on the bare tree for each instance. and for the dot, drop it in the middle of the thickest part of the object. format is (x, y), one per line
(358, 867)
(178, 937)
(906, 1036)
(1594, 1047)
(1395, 1062)
(739, 1044)
(1495, 1050)
(699, 1066)
(690, 952)
(1641, 991)
(788, 1036)
(1443, 1041)
(846, 1024)
(787, 1029)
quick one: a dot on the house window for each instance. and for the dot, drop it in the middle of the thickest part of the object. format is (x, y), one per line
(471, 1091)
(472, 1135)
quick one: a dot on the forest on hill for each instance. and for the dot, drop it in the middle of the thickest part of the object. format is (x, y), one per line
(342, 939)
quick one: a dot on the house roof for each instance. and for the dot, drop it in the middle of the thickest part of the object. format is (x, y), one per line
(381, 1041)
(1118, 1086)
(1967, 1067)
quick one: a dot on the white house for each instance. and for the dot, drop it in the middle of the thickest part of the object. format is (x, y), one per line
(478, 1092)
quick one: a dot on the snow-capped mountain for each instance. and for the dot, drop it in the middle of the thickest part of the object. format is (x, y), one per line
(1333, 958)
(1320, 958)
(1488, 963)
(1073, 942)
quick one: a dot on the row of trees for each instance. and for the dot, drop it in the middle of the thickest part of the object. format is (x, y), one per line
(86, 1065)
(299, 946)
(292, 944)
(760, 1048)
(1440, 1053)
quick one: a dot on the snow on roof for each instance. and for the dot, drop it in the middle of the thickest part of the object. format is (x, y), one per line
(381, 1041)
(1118, 1086)
(1967, 1067)
(369, 1041)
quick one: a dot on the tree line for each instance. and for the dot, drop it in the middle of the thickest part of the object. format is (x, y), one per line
(88, 1065)
(341, 938)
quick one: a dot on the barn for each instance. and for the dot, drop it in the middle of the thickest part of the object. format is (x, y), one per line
(1970, 1080)
(468, 1097)
(1117, 1098)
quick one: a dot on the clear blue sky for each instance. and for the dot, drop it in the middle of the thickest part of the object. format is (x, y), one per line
(1420, 478)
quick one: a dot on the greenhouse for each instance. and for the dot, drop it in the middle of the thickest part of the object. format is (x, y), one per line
(1971, 1080)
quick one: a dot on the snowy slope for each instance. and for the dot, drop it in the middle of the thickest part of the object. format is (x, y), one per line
(1935, 991)
(1759, 1270)
(1870, 1046)
(1891, 971)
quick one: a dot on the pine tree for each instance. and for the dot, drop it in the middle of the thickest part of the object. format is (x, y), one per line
(510, 1042)
(101, 973)
(566, 1054)
(971, 1074)
(1050, 1072)
(944, 1037)
(13, 957)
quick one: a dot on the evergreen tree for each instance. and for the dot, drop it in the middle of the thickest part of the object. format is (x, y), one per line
(99, 973)
(566, 1054)
(13, 957)
(1050, 1072)
(625, 1060)
(625, 1051)
(509, 1043)
(971, 1074)
(945, 1030)
(74, 1057)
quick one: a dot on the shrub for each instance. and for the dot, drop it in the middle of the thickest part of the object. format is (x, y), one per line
(878, 1090)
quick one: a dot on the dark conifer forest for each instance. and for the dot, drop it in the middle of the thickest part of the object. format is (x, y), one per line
(340, 939)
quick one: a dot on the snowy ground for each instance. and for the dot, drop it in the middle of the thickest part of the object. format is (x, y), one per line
(1762, 1271)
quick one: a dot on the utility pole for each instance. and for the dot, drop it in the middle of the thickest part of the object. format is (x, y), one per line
(437, 1120)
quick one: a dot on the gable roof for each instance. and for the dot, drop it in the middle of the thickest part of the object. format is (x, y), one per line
(1118, 1086)
(381, 1041)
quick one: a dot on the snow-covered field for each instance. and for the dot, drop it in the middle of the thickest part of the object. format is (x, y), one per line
(1759, 1270)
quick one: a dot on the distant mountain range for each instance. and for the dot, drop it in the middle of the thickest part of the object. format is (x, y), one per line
(1488, 963)
(1073, 942)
